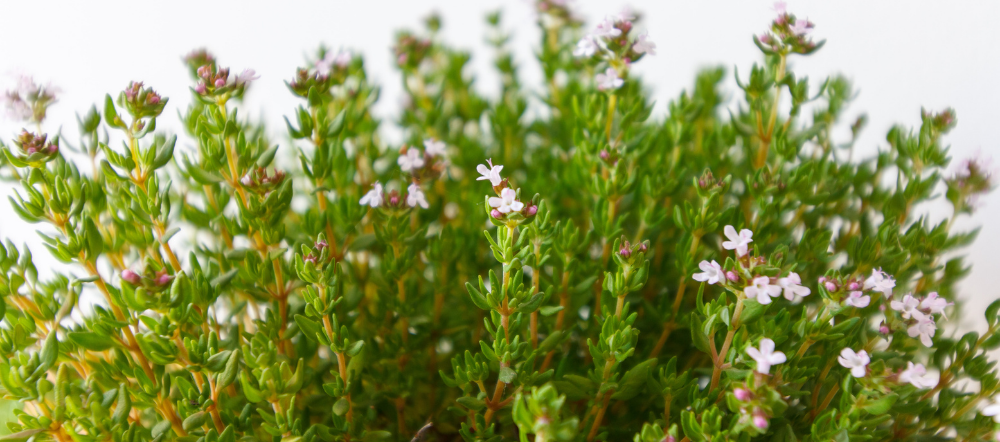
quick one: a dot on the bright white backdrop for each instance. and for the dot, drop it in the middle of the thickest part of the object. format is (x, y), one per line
(901, 54)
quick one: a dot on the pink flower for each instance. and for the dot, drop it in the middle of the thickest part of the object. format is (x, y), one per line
(858, 299)
(415, 196)
(766, 356)
(792, 286)
(374, 197)
(491, 173)
(924, 329)
(245, 77)
(608, 80)
(908, 307)
(935, 303)
(916, 375)
(643, 45)
(780, 7)
(880, 282)
(739, 242)
(762, 290)
(131, 277)
(742, 394)
(585, 47)
(856, 362)
(433, 147)
(411, 160)
(606, 28)
(507, 202)
(711, 272)
(801, 27)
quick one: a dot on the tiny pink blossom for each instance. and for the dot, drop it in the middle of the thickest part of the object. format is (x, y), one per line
(608, 80)
(858, 299)
(737, 241)
(762, 290)
(856, 362)
(766, 356)
(711, 272)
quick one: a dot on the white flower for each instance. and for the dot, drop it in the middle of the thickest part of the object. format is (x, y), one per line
(607, 28)
(858, 299)
(608, 80)
(415, 196)
(643, 45)
(711, 272)
(411, 160)
(246, 77)
(908, 308)
(626, 14)
(917, 376)
(857, 362)
(762, 290)
(740, 242)
(374, 197)
(935, 303)
(925, 329)
(434, 147)
(491, 173)
(507, 201)
(780, 7)
(801, 27)
(585, 47)
(792, 286)
(992, 410)
(340, 59)
(766, 356)
(880, 282)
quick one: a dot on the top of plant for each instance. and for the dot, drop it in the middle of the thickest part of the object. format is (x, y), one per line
(593, 273)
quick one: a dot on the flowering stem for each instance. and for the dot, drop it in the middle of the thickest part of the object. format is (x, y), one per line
(765, 138)
(612, 101)
(675, 308)
(721, 357)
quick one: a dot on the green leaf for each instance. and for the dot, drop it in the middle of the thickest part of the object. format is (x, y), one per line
(634, 380)
(232, 369)
(91, 341)
(195, 420)
(880, 405)
(309, 327)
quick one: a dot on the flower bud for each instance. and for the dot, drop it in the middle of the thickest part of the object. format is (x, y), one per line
(732, 276)
(643, 247)
(883, 329)
(742, 394)
(830, 286)
(219, 82)
(853, 286)
(496, 214)
(530, 211)
(604, 154)
(131, 277)
(310, 258)
(201, 88)
(162, 278)
(321, 244)
(760, 421)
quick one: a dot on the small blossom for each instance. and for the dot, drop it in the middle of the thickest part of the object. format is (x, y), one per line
(491, 173)
(608, 80)
(858, 299)
(340, 59)
(374, 197)
(643, 45)
(732, 276)
(433, 147)
(411, 160)
(415, 196)
(496, 214)
(857, 362)
(924, 329)
(585, 47)
(908, 307)
(780, 7)
(830, 286)
(880, 282)
(245, 77)
(507, 202)
(737, 241)
(532, 210)
(916, 375)
(760, 421)
(792, 286)
(801, 27)
(766, 356)
(935, 304)
(711, 272)
(606, 28)
(762, 290)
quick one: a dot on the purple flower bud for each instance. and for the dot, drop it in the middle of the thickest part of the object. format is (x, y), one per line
(821, 279)
(742, 394)
(531, 211)
(732, 276)
(201, 88)
(204, 71)
(643, 247)
(153, 99)
(53, 148)
(496, 214)
(321, 244)
(853, 286)
(760, 421)
(625, 252)
(220, 82)
(669, 438)
(883, 329)
(830, 286)
(394, 199)
(604, 154)
(131, 277)
(310, 258)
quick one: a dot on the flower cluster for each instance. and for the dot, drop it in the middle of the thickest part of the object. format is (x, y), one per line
(215, 81)
(28, 101)
(610, 39)
(788, 33)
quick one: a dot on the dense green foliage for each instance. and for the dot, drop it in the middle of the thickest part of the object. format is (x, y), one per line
(709, 275)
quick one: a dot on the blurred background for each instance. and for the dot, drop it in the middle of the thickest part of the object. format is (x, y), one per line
(901, 55)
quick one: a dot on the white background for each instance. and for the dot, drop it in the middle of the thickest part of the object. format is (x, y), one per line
(901, 55)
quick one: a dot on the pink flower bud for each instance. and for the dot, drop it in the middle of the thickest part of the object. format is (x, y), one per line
(830, 286)
(742, 394)
(669, 438)
(131, 277)
(204, 71)
(732, 276)
(496, 214)
(153, 99)
(321, 244)
(760, 421)
(643, 247)
(853, 286)
(394, 199)
(821, 279)
(201, 88)
(883, 329)
(219, 82)
(309, 258)
(531, 211)
(604, 154)
(163, 279)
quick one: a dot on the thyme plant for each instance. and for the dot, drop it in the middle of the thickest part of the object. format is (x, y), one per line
(581, 271)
